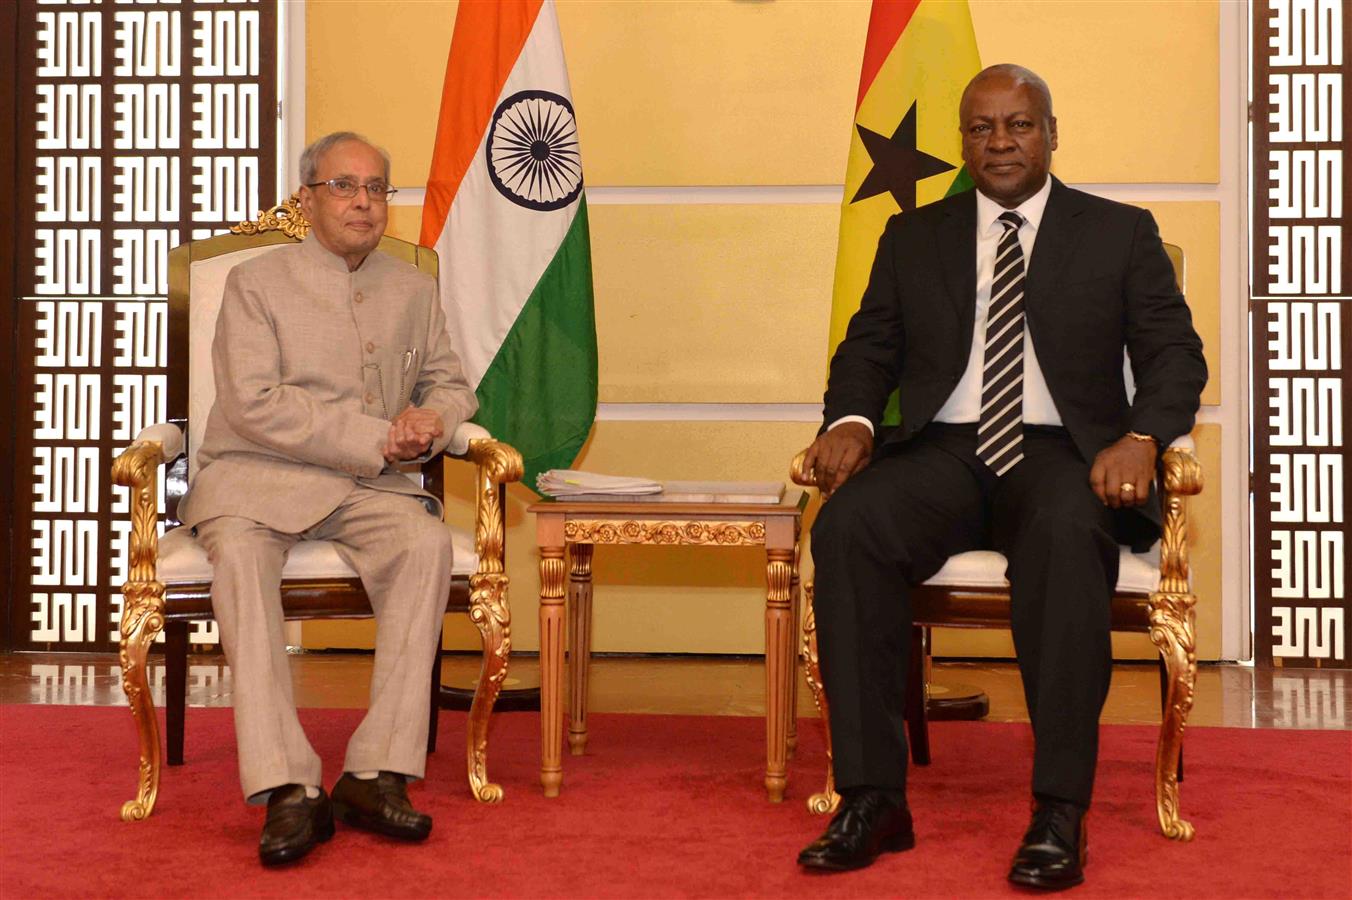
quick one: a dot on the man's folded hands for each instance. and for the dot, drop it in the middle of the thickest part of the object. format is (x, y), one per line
(412, 433)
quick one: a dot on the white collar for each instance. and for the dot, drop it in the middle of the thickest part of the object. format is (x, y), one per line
(987, 210)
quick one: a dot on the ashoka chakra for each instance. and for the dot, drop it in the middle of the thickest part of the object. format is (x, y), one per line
(532, 150)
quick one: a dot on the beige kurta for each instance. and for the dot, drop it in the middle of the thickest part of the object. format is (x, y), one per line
(311, 363)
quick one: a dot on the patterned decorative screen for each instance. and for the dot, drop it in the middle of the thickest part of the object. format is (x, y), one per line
(1300, 331)
(141, 125)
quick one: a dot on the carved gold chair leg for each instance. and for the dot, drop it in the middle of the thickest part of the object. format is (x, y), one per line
(827, 800)
(142, 614)
(142, 620)
(498, 464)
(490, 613)
(1171, 628)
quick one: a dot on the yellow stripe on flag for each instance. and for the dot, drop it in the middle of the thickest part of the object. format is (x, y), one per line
(929, 66)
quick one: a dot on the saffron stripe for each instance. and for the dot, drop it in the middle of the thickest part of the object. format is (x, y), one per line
(487, 40)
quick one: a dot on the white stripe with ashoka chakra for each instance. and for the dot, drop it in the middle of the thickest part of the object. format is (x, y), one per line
(493, 254)
(1000, 430)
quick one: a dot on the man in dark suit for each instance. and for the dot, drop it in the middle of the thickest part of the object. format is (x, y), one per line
(1000, 316)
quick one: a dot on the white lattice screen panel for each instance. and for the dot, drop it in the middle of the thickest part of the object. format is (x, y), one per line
(142, 125)
(1300, 335)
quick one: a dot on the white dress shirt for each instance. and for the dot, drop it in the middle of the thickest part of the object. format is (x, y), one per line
(964, 404)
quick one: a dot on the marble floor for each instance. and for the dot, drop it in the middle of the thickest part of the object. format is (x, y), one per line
(1229, 695)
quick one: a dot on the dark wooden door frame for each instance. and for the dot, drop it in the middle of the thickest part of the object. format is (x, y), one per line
(9, 37)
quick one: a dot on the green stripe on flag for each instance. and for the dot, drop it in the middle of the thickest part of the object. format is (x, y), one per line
(539, 393)
(962, 182)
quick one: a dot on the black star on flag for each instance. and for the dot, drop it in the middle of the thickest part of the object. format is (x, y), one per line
(897, 163)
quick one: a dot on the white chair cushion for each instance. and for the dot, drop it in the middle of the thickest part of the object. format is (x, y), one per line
(1138, 573)
(183, 561)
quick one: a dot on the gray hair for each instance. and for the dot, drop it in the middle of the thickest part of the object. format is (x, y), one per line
(1019, 75)
(311, 155)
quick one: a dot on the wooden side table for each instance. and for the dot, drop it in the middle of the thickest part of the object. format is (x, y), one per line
(578, 526)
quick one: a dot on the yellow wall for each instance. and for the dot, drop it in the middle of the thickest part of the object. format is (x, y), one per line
(717, 302)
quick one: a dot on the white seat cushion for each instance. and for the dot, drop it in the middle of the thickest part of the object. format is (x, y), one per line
(183, 560)
(1138, 573)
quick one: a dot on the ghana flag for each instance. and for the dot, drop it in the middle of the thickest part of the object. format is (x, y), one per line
(905, 149)
(506, 214)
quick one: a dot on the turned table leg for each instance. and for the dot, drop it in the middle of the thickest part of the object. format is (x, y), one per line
(778, 664)
(579, 645)
(552, 572)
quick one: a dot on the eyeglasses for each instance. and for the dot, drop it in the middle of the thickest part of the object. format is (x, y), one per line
(346, 189)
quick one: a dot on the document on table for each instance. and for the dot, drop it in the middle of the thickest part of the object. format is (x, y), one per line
(571, 484)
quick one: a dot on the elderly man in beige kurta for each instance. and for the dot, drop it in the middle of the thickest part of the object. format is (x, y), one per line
(332, 364)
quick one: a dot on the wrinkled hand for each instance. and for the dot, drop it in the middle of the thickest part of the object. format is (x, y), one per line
(837, 454)
(1128, 461)
(412, 433)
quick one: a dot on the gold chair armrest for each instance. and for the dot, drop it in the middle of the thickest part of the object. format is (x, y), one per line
(1182, 478)
(498, 464)
(135, 468)
(1182, 471)
(798, 475)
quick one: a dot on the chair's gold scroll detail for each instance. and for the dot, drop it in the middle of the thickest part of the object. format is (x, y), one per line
(169, 580)
(285, 217)
(1164, 610)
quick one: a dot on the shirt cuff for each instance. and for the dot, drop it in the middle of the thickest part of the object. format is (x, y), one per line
(843, 419)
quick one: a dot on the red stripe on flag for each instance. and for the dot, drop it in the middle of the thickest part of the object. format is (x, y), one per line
(487, 40)
(885, 24)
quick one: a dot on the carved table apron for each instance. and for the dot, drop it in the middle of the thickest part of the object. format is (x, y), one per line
(577, 526)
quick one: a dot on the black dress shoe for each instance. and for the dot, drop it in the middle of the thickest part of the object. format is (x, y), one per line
(868, 822)
(1051, 857)
(294, 825)
(381, 805)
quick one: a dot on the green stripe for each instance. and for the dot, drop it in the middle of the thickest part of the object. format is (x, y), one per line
(539, 393)
(961, 182)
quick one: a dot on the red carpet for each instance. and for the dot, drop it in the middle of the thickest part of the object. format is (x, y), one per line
(662, 806)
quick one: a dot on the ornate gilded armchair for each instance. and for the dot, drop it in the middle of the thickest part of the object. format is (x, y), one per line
(1153, 595)
(169, 578)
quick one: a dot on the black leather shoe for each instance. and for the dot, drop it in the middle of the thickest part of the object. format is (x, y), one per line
(381, 805)
(868, 822)
(294, 825)
(1052, 855)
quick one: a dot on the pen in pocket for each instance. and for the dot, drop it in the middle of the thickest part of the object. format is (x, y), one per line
(410, 355)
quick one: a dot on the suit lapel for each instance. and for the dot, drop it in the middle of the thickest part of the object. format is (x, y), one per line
(1057, 238)
(957, 254)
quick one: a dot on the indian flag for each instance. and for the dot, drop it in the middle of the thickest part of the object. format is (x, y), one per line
(506, 214)
(905, 149)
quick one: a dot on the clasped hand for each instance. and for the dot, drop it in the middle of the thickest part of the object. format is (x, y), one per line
(411, 433)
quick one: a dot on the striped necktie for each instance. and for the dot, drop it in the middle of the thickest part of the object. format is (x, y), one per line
(999, 433)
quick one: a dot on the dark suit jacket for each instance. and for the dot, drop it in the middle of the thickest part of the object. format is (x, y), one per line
(1099, 280)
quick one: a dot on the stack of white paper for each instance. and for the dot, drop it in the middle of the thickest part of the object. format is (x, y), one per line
(571, 482)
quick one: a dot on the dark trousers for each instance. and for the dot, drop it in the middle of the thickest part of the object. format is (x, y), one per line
(894, 524)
